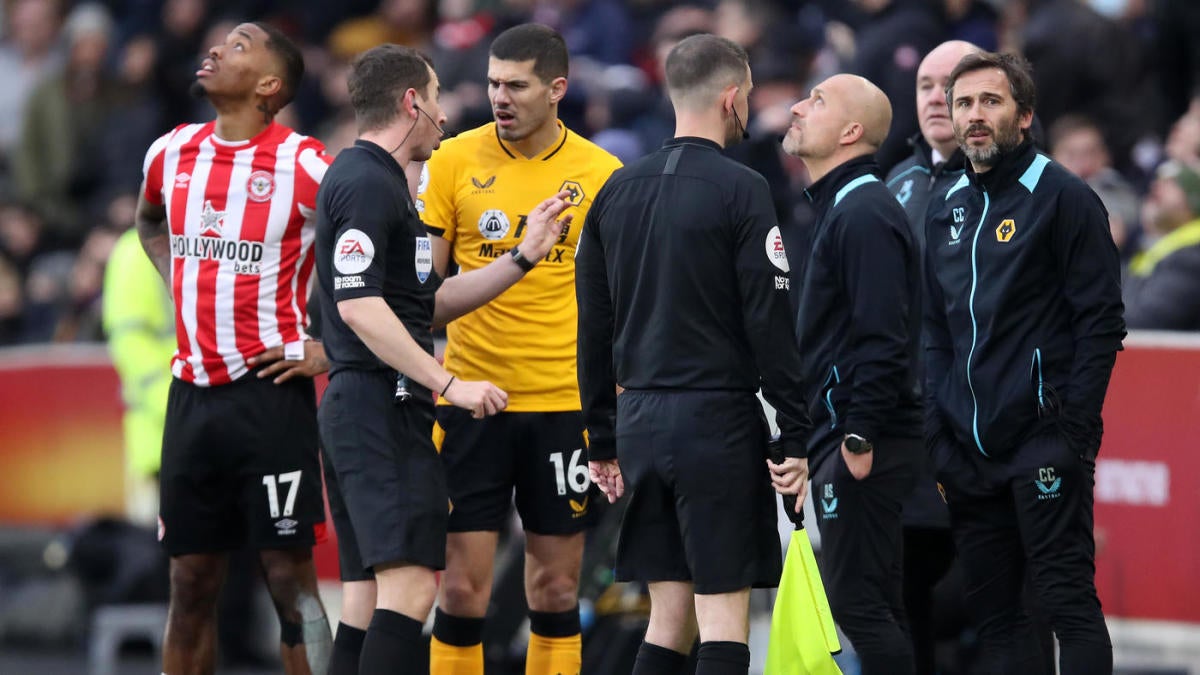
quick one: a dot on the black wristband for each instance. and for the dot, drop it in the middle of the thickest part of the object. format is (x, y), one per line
(447, 387)
(524, 263)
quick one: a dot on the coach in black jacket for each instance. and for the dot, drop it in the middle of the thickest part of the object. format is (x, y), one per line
(859, 324)
(1024, 319)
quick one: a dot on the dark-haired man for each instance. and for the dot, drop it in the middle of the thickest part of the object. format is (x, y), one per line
(381, 297)
(225, 214)
(1023, 321)
(477, 193)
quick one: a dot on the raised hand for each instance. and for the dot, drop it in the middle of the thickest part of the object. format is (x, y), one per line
(542, 229)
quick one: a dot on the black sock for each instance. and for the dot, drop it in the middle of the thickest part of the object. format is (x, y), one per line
(393, 642)
(655, 660)
(457, 631)
(723, 658)
(347, 646)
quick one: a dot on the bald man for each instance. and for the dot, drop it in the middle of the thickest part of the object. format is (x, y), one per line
(859, 327)
(936, 160)
(935, 165)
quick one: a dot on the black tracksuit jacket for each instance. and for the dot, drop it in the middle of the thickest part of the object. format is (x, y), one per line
(859, 322)
(1023, 311)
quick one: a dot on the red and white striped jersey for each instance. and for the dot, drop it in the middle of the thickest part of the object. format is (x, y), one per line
(242, 219)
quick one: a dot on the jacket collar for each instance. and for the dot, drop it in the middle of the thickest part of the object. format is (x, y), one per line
(823, 193)
(923, 152)
(1008, 170)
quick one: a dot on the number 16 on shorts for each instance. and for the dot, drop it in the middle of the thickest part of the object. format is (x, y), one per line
(573, 473)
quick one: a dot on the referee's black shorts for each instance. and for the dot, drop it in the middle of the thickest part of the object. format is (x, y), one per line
(387, 471)
(240, 463)
(701, 507)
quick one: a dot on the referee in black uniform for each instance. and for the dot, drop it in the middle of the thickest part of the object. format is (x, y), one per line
(682, 283)
(381, 297)
(860, 327)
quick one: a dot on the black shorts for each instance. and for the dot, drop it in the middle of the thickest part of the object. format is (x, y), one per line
(701, 507)
(387, 471)
(540, 455)
(349, 559)
(240, 463)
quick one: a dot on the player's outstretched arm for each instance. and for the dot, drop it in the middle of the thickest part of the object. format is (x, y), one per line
(464, 293)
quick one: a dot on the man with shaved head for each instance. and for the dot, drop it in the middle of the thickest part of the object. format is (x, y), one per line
(936, 163)
(859, 325)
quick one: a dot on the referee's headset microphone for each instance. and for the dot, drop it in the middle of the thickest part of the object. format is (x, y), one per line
(440, 130)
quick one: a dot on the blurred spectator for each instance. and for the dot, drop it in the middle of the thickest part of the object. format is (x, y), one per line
(1078, 144)
(58, 164)
(654, 121)
(22, 236)
(973, 21)
(888, 49)
(12, 304)
(180, 44)
(1088, 64)
(28, 53)
(594, 29)
(1183, 141)
(140, 325)
(1162, 288)
(79, 314)
(403, 22)
(1177, 51)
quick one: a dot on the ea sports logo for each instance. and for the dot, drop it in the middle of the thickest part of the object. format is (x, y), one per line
(775, 251)
(353, 252)
(260, 186)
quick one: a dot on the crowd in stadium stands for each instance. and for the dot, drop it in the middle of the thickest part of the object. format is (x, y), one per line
(87, 87)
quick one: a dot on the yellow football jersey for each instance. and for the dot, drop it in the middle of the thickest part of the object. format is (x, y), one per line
(478, 192)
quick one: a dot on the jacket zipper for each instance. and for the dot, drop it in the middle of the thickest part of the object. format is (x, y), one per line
(975, 323)
(1035, 366)
(833, 379)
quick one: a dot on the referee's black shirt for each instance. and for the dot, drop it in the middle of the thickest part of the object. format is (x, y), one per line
(371, 243)
(683, 283)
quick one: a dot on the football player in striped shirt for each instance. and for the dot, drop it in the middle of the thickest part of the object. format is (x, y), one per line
(227, 216)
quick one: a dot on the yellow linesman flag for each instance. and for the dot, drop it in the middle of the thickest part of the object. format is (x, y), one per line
(803, 638)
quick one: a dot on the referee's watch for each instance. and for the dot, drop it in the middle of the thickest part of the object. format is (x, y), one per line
(524, 263)
(857, 445)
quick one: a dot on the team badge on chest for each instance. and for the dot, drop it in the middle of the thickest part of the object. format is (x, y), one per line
(260, 186)
(493, 224)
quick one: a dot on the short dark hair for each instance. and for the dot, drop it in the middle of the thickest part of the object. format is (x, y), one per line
(379, 77)
(290, 60)
(1015, 68)
(704, 61)
(534, 42)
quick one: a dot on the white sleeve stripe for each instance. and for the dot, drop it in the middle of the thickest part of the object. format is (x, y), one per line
(155, 150)
(312, 164)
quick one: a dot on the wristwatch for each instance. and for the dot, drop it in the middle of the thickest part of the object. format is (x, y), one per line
(857, 445)
(524, 263)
